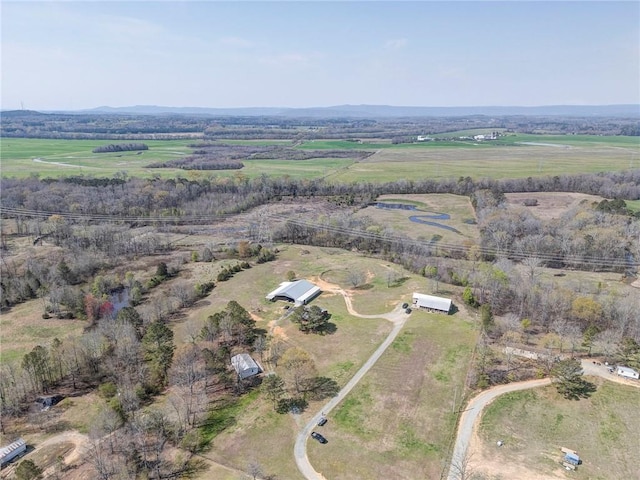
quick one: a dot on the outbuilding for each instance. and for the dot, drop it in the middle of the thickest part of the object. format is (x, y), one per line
(572, 458)
(12, 451)
(627, 372)
(245, 366)
(431, 303)
(299, 292)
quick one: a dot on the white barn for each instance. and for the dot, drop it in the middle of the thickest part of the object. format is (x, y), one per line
(12, 451)
(299, 292)
(627, 372)
(245, 366)
(431, 303)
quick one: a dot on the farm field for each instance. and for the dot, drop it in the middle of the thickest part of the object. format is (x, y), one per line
(496, 162)
(22, 157)
(513, 156)
(534, 424)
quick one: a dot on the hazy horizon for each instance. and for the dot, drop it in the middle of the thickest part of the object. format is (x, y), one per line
(83, 55)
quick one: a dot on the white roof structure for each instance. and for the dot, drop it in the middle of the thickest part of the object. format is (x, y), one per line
(627, 372)
(300, 292)
(431, 302)
(244, 365)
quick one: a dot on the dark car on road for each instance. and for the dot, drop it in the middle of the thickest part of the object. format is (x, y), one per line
(405, 305)
(322, 421)
(318, 437)
(408, 310)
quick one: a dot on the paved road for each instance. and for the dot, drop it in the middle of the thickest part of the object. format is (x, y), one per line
(471, 414)
(398, 317)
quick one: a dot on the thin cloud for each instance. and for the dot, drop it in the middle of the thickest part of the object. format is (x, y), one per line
(237, 42)
(396, 44)
(286, 59)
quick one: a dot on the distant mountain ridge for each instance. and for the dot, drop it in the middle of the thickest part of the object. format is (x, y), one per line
(374, 111)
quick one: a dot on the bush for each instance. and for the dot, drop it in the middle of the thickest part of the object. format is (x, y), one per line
(107, 390)
(27, 470)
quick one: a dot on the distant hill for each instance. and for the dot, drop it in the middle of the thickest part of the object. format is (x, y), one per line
(369, 111)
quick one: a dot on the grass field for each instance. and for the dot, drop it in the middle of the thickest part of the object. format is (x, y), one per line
(496, 162)
(457, 207)
(512, 156)
(23, 327)
(535, 423)
(22, 157)
(398, 422)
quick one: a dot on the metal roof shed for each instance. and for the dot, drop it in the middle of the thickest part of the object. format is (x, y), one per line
(431, 302)
(12, 450)
(300, 292)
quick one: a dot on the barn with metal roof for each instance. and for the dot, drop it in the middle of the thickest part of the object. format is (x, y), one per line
(299, 292)
(432, 303)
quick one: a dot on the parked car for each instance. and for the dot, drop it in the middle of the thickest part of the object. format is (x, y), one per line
(408, 310)
(405, 305)
(318, 437)
(322, 421)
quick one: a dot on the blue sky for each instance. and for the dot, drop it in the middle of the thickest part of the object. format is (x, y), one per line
(75, 55)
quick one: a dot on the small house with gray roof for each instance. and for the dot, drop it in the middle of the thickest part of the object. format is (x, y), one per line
(245, 366)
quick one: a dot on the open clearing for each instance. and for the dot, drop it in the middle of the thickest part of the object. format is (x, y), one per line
(506, 158)
(398, 421)
(550, 204)
(456, 206)
(534, 424)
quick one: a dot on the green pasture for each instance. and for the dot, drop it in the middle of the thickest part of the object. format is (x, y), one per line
(535, 423)
(496, 162)
(22, 157)
(512, 156)
(399, 418)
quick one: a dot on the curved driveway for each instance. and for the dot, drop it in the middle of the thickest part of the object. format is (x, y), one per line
(398, 317)
(471, 414)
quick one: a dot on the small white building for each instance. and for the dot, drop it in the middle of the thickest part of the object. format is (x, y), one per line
(431, 303)
(12, 451)
(299, 292)
(627, 372)
(245, 366)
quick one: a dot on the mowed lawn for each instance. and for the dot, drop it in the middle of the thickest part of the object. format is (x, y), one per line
(534, 424)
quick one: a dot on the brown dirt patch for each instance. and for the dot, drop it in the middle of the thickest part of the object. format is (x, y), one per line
(550, 204)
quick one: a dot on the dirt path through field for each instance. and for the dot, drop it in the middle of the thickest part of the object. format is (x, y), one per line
(398, 317)
(470, 453)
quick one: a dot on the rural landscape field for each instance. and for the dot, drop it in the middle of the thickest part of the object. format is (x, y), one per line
(136, 266)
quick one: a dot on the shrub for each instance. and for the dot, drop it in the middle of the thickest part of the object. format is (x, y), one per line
(107, 390)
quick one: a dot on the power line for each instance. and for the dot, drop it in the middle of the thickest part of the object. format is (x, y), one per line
(213, 218)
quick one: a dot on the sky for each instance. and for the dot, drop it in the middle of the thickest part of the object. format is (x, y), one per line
(72, 55)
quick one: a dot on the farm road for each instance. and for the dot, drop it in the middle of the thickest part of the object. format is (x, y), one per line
(470, 416)
(398, 317)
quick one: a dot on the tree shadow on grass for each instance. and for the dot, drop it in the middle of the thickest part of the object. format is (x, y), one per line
(580, 389)
(328, 328)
